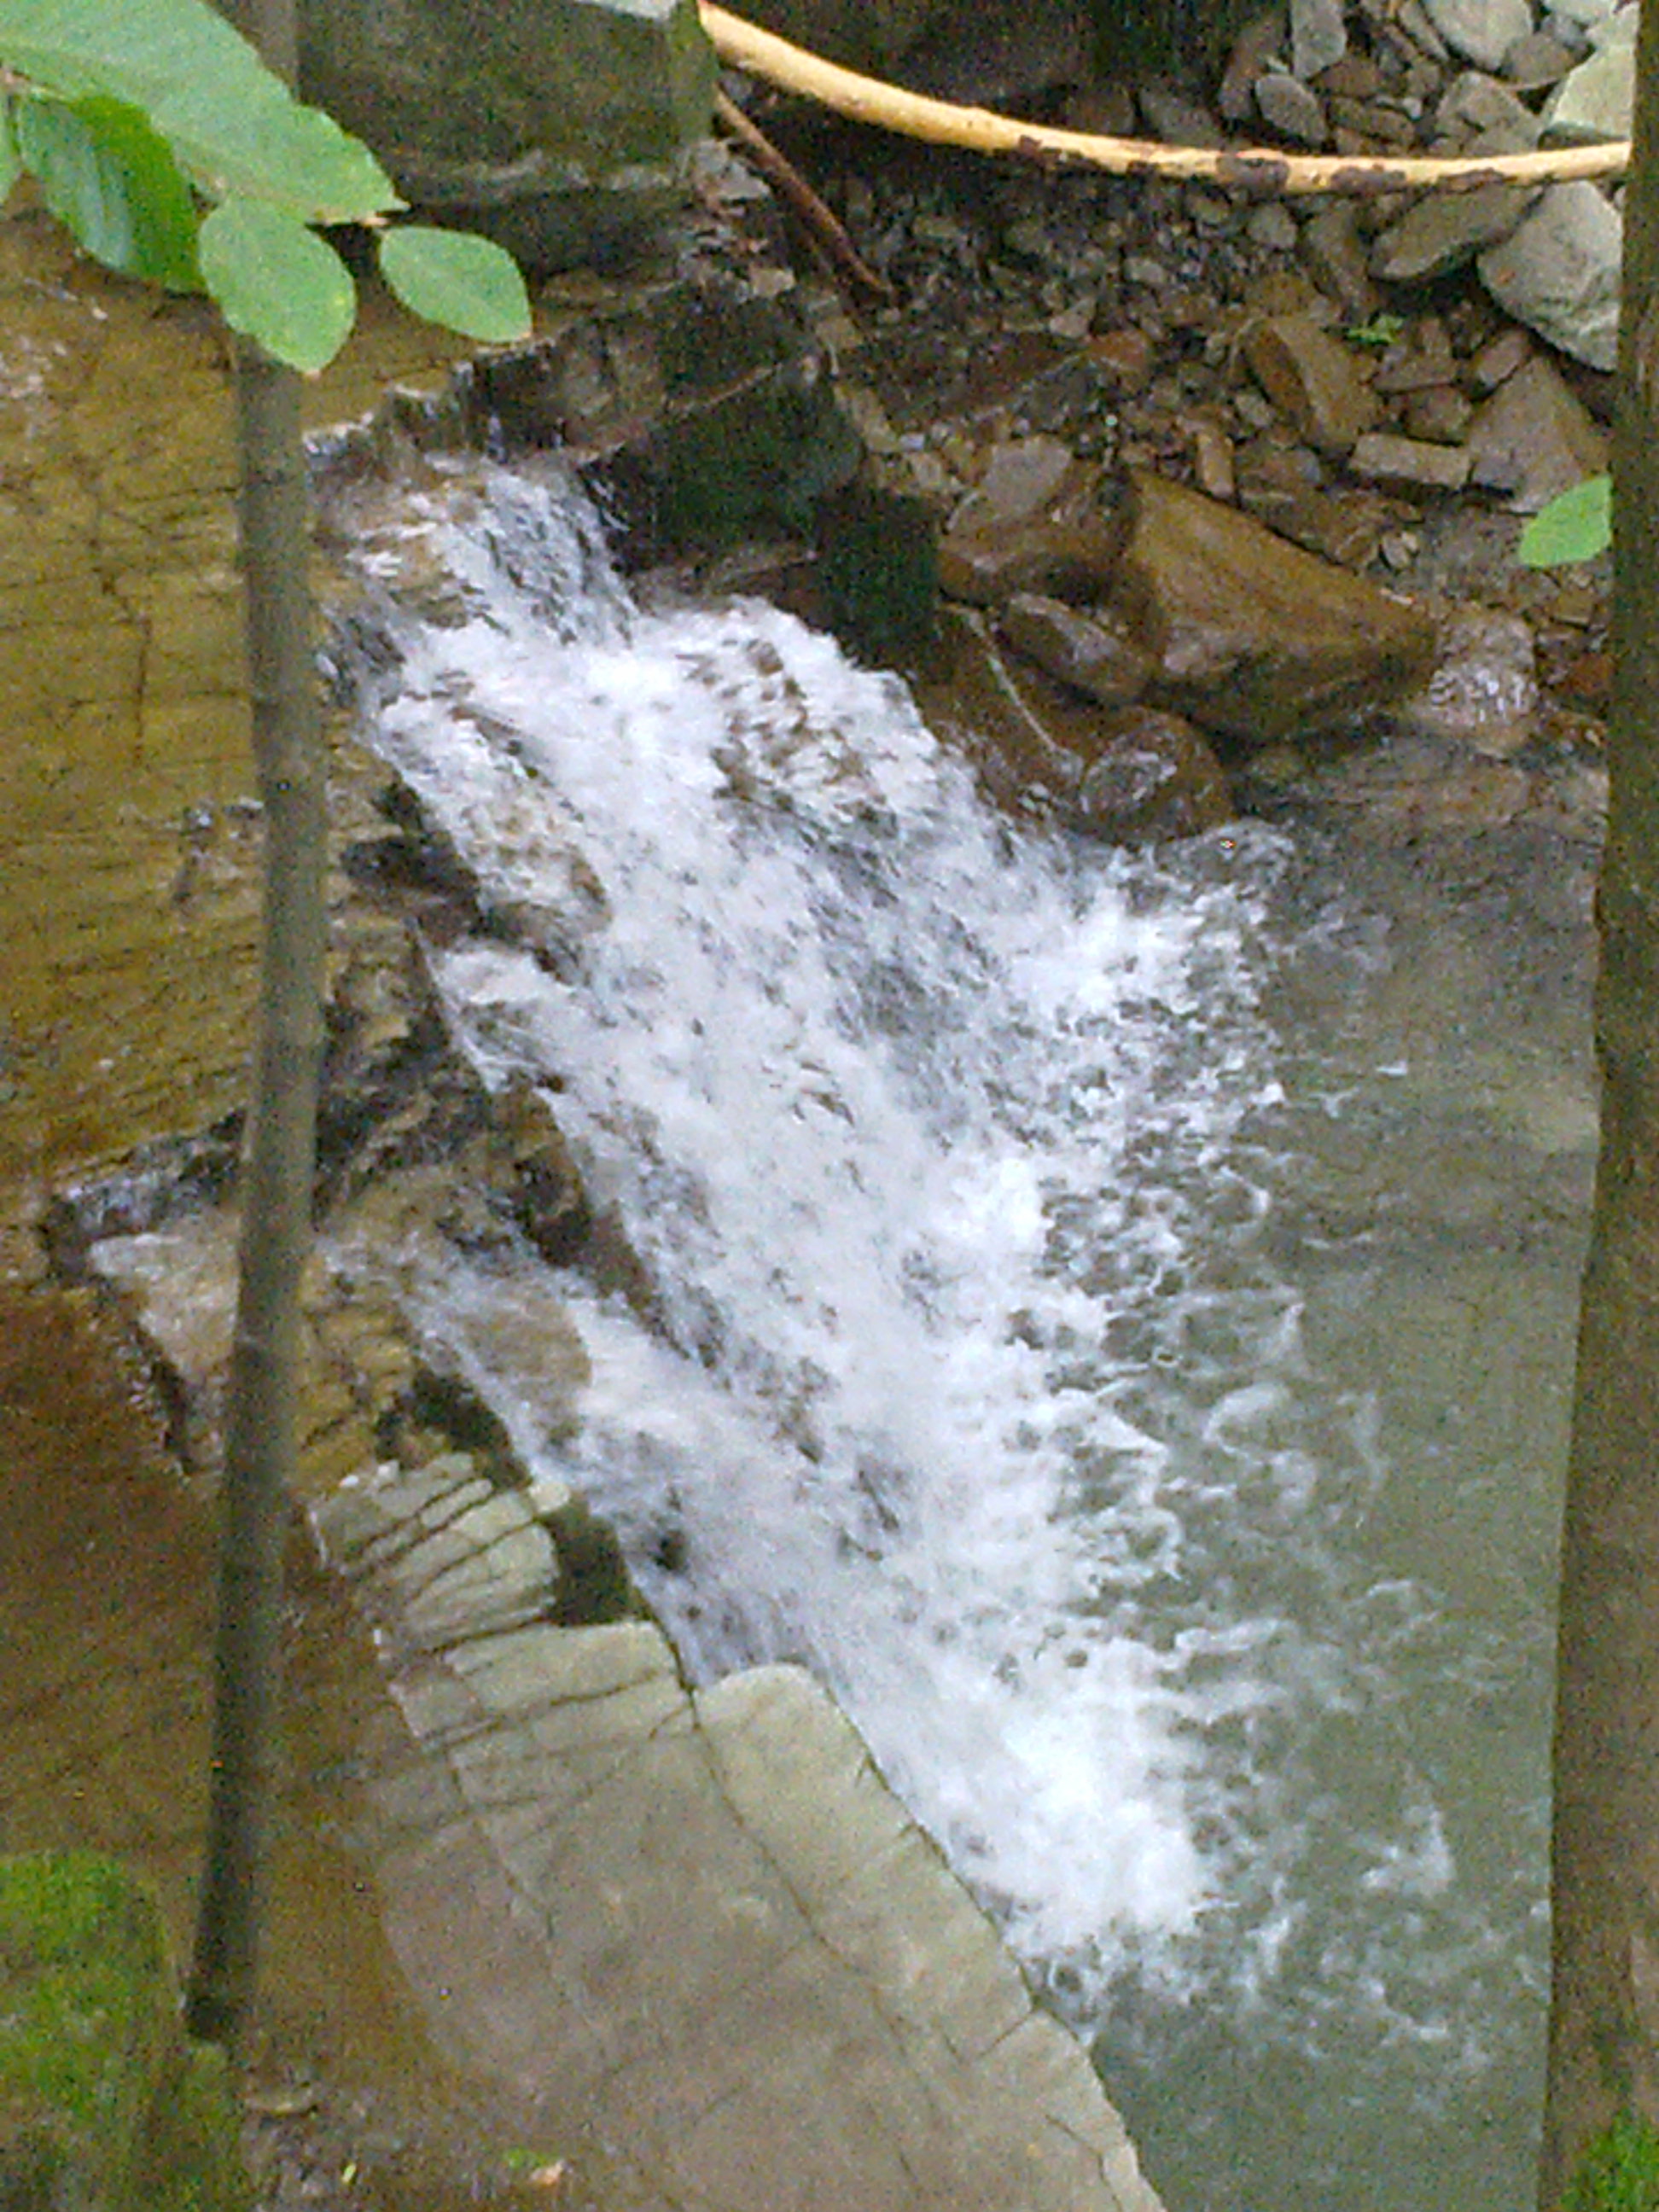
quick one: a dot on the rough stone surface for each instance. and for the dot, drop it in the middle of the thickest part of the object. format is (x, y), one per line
(1482, 31)
(1253, 638)
(708, 1927)
(1483, 690)
(1416, 463)
(557, 125)
(1442, 230)
(1320, 383)
(1596, 100)
(1558, 272)
(1533, 438)
(1089, 652)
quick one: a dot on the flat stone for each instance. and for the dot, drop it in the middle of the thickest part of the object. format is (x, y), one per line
(1439, 413)
(1478, 110)
(1497, 361)
(1482, 31)
(701, 1928)
(1154, 776)
(1317, 382)
(1558, 272)
(1442, 230)
(1253, 638)
(1412, 464)
(1535, 438)
(1536, 61)
(1335, 254)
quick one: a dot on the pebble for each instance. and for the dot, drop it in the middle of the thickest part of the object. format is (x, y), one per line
(1385, 458)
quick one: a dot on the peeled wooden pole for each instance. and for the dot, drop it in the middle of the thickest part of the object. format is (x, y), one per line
(1263, 170)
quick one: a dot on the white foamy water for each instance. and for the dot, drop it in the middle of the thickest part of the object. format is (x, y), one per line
(960, 1363)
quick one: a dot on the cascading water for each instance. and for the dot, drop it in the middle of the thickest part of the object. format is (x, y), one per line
(987, 1350)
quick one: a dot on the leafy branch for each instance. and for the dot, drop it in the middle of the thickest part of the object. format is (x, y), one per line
(168, 150)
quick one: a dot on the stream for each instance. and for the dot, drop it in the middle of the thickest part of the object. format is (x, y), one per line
(1109, 1316)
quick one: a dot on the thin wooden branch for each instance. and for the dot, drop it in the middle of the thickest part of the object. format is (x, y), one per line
(821, 224)
(1261, 171)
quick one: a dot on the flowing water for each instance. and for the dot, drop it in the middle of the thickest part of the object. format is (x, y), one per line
(1110, 1316)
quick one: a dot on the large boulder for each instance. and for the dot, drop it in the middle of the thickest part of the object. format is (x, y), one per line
(1252, 638)
(557, 125)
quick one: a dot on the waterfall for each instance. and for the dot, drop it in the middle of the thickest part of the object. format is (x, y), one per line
(963, 1361)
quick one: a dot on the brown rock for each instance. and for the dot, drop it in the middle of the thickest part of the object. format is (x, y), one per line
(1497, 360)
(1092, 653)
(1252, 637)
(1439, 413)
(1155, 777)
(1412, 464)
(1071, 559)
(1533, 439)
(1483, 690)
(1316, 379)
(1445, 229)
(1336, 254)
(1126, 358)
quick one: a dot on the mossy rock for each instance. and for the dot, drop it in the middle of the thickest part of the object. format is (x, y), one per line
(105, 2106)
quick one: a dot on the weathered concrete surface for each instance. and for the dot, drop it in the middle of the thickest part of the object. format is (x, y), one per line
(719, 1938)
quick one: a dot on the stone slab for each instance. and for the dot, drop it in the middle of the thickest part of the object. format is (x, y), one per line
(698, 1921)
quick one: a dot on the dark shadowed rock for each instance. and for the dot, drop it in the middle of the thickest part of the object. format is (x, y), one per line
(1318, 381)
(1253, 638)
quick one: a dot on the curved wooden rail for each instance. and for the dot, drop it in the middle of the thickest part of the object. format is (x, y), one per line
(1263, 171)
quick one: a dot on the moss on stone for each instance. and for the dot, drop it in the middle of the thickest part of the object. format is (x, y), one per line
(103, 2103)
(1619, 2172)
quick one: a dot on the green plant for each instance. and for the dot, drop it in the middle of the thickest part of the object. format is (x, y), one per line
(1574, 525)
(1619, 2172)
(172, 154)
(1379, 332)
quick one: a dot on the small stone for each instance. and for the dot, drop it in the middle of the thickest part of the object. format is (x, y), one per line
(1154, 777)
(1442, 230)
(1536, 61)
(1335, 254)
(1411, 462)
(1558, 272)
(1482, 31)
(1476, 108)
(1315, 379)
(1287, 106)
(1440, 413)
(1255, 46)
(1319, 36)
(1533, 438)
(1092, 653)
(1213, 460)
(1022, 477)
(1125, 358)
(1497, 361)
(1272, 225)
(1178, 121)
(1596, 100)
(1483, 690)
(1424, 357)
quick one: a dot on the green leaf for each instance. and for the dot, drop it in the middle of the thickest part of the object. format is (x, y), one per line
(459, 279)
(1576, 526)
(233, 125)
(113, 182)
(278, 283)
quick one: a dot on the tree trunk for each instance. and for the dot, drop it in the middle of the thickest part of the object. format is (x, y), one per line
(261, 1423)
(1604, 2018)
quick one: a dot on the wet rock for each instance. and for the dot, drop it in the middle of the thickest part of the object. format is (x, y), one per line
(1155, 777)
(1442, 230)
(1409, 463)
(549, 1200)
(1483, 690)
(1318, 382)
(1482, 31)
(1069, 557)
(1533, 438)
(1091, 651)
(675, 1903)
(561, 132)
(1558, 272)
(1253, 638)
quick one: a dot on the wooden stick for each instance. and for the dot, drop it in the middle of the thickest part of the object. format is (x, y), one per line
(822, 223)
(1261, 171)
